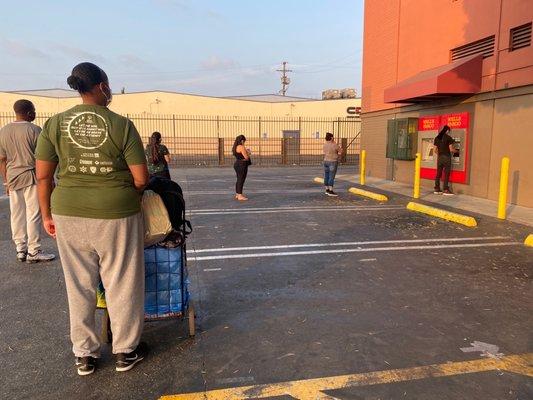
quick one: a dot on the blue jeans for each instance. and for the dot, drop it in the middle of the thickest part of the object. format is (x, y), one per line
(330, 169)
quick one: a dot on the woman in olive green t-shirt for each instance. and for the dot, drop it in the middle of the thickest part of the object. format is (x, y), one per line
(157, 156)
(94, 213)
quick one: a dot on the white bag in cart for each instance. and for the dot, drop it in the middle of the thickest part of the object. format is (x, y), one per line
(156, 220)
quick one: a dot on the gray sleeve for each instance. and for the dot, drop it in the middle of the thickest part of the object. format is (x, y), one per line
(2, 149)
(36, 132)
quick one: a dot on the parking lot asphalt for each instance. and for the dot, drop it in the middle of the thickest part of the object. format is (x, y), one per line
(303, 295)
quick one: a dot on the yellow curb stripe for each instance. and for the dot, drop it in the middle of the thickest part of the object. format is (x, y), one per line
(319, 180)
(529, 241)
(366, 193)
(447, 215)
(312, 389)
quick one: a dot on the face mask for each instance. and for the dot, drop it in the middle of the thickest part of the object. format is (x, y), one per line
(108, 98)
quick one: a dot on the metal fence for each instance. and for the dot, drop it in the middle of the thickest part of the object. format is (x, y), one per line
(207, 140)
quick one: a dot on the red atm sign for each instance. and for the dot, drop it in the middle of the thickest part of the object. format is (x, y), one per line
(435, 122)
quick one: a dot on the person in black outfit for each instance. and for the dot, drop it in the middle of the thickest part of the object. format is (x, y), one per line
(443, 148)
(241, 165)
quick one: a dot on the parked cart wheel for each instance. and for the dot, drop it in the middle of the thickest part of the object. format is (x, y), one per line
(190, 315)
(107, 336)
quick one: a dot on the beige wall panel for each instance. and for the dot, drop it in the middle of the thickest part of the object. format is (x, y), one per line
(374, 140)
(513, 137)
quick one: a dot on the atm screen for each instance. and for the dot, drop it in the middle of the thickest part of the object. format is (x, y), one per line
(427, 149)
(456, 156)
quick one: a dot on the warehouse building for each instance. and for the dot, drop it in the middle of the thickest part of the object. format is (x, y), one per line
(200, 130)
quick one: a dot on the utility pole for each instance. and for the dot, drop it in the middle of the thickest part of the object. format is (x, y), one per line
(285, 80)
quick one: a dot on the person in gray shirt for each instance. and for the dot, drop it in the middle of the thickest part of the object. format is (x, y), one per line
(17, 168)
(332, 151)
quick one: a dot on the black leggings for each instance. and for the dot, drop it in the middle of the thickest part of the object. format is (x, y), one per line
(444, 164)
(241, 168)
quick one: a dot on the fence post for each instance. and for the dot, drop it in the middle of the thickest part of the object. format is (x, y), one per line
(416, 187)
(220, 151)
(174, 126)
(362, 168)
(299, 139)
(504, 183)
(344, 145)
(260, 139)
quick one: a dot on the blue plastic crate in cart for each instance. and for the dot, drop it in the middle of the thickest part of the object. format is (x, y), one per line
(166, 282)
(166, 291)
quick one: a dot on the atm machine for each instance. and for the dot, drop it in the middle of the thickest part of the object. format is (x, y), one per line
(428, 128)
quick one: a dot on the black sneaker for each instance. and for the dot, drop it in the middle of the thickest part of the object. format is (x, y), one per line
(332, 193)
(85, 365)
(437, 191)
(21, 256)
(327, 191)
(447, 192)
(125, 362)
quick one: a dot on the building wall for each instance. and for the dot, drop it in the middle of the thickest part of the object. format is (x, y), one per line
(501, 124)
(404, 37)
(182, 104)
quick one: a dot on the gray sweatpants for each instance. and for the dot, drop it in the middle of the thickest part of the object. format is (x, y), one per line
(112, 249)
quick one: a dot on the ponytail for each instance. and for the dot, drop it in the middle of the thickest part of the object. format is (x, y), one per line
(154, 142)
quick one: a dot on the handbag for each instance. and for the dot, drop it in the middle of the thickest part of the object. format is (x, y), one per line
(156, 220)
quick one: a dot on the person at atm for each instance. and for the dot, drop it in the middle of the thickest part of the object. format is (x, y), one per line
(443, 147)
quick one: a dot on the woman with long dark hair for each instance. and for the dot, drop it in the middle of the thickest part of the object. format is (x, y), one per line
(443, 148)
(242, 161)
(157, 156)
(94, 213)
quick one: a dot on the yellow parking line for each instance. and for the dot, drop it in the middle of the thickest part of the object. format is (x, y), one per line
(439, 213)
(312, 389)
(366, 193)
(529, 241)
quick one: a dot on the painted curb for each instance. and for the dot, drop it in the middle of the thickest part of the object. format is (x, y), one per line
(319, 180)
(529, 241)
(366, 193)
(447, 215)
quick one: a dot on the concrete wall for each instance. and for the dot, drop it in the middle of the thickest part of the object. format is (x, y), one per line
(183, 104)
(501, 124)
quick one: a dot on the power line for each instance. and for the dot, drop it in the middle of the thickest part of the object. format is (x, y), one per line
(285, 80)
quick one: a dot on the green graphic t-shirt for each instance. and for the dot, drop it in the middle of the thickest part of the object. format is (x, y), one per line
(93, 147)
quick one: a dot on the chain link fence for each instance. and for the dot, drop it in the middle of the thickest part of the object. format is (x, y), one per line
(273, 141)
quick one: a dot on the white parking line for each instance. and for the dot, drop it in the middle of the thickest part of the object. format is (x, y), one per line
(406, 241)
(212, 269)
(355, 250)
(286, 210)
(260, 191)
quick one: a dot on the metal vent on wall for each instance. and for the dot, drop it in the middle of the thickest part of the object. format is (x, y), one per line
(520, 37)
(483, 46)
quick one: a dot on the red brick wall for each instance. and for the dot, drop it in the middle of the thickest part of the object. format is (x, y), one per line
(404, 37)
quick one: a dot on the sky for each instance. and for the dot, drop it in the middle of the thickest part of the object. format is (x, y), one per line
(210, 47)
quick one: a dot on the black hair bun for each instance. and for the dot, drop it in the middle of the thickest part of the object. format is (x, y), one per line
(75, 83)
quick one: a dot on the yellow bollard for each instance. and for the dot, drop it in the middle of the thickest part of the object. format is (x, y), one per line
(362, 167)
(504, 183)
(416, 188)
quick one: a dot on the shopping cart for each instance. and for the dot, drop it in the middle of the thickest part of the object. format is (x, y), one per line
(166, 289)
